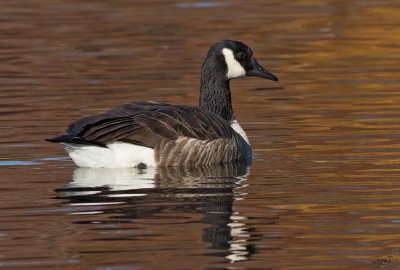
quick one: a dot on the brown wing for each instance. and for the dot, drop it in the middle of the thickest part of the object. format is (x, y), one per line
(146, 124)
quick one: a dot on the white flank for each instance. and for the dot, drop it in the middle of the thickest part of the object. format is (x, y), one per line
(236, 127)
(115, 155)
(235, 69)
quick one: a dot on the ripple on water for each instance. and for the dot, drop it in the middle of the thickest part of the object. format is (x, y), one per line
(324, 189)
(203, 4)
(30, 162)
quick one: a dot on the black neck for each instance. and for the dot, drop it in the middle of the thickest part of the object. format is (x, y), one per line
(215, 94)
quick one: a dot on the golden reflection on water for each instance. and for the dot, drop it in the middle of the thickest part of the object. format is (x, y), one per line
(323, 190)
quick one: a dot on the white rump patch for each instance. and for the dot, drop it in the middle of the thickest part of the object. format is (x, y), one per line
(235, 69)
(115, 155)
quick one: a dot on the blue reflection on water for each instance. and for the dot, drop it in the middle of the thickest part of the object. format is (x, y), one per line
(29, 162)
(18, 162)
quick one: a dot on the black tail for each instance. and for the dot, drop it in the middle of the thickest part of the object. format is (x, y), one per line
(64, 138)
(58, 139)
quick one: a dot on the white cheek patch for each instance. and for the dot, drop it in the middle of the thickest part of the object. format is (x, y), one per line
(235, 69)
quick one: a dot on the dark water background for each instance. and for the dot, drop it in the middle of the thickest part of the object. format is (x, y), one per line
(324, 188)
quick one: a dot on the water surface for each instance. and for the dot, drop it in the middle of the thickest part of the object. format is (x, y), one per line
(323, 191)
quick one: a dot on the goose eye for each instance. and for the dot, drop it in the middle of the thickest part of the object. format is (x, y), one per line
(241, 55)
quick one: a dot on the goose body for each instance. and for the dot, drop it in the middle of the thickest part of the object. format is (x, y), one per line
(159, 134)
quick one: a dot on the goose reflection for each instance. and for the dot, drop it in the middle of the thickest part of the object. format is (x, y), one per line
(151, 193)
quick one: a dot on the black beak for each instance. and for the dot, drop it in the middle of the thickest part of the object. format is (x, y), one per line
(259, 71)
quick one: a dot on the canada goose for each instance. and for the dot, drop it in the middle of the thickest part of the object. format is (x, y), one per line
(159, 134)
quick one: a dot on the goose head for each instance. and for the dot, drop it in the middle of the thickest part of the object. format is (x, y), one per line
(226, 60)
(234, 59)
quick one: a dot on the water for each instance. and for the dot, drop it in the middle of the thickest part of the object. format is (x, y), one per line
(323, 190)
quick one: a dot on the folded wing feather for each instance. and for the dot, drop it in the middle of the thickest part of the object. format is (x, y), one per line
(147, 124)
